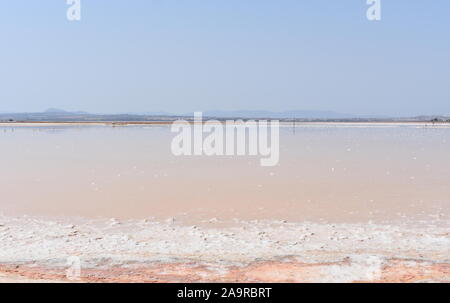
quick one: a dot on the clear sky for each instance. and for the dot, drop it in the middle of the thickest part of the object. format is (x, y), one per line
(185, 55)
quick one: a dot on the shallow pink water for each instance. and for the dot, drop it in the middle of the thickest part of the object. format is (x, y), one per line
(336, 173)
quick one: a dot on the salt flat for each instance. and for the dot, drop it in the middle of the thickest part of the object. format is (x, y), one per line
(346, 203)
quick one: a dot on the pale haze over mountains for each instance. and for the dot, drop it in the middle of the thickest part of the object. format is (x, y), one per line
(298, 114)
(56, 114)
(182, 56)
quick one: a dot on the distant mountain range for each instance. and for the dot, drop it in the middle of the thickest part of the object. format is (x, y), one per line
(252, 114)
(294, 114)
(59, 115)
(62, 112)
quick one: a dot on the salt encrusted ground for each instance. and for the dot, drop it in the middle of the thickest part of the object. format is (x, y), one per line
(33, 249)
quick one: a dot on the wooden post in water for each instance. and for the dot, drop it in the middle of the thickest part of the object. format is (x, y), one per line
(293, 125)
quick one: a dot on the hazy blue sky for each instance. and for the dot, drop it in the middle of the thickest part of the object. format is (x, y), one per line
(186, 55)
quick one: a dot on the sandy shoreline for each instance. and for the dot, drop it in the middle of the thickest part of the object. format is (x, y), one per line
(34, 249)
(282, 123)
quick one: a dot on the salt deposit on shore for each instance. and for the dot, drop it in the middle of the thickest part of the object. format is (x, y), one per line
(278, 251)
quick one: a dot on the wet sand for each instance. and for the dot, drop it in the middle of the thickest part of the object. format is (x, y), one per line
(347, 203)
